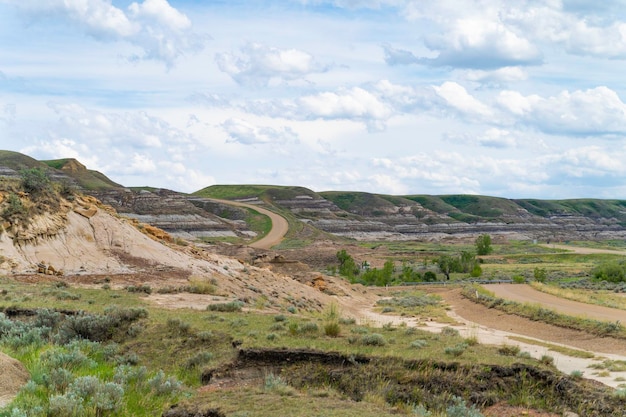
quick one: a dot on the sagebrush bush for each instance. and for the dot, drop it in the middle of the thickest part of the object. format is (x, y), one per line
(456, 350)
(374, 339)
(164, 385)
(449, 331)
(232, 306)
(198, 359)
(419, 343)
(458, 408)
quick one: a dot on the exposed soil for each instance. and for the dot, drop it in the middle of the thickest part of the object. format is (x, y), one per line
(499, 320)
(527, 294)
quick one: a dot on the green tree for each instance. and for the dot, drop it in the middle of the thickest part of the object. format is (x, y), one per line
(347, 266)
(483, 245)
(446, 264)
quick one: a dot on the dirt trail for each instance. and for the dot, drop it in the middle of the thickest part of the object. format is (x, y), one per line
(494, 327)
(279, 229)
(527, 294)
(584, 251)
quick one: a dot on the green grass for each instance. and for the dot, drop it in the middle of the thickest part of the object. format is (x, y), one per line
(575, 353)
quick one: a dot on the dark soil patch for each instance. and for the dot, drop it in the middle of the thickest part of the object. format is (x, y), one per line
(434, 384)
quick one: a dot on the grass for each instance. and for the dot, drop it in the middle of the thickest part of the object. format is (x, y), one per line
(575, 353)
(601, 298)
(538, 313)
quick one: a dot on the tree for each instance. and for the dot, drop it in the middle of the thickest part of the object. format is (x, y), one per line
(446, 265)
(347, 267)
(483, 245)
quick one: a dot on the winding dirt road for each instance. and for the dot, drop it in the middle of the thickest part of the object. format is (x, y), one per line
(279, 229)
(526, 294)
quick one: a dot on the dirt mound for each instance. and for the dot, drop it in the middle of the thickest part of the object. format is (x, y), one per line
(14, 376)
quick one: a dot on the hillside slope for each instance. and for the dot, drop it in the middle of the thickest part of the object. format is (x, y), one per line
(344, 214)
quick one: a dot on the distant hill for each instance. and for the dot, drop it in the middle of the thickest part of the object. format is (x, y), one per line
(357, 215)
(86, 178)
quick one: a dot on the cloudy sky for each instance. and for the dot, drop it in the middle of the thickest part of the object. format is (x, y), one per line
(493, 97)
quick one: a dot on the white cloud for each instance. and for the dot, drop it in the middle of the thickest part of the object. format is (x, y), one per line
(596, 111)
(259, 65)
(491, 138)
(457, 97)
(159, 30)
(505, 74)
(246, 133)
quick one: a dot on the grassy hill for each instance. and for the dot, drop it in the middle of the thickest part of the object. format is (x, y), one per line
(86, 178)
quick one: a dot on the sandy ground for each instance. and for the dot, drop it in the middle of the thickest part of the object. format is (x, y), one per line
(584, 251)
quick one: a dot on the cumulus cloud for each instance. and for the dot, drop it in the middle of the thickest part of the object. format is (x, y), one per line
(583, 30)
(246, 133)
(395, 56)
(491, 138)
(457, 97)
(134, 130)
(500, 75)
(159, 30)
(258, 65)
(596, 111)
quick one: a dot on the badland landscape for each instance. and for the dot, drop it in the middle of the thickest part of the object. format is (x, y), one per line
(261, 300)
(312, 208)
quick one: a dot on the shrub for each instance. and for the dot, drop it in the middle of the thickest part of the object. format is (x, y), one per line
(576, 374)
(162, 385)
(449, 332)
(419, 343)
(374, 339)
(509, 350)
(459, 409)
(198, 359)
(456, 350)
(547, 360)
(232, 306)
(178, 327)
(332, 329)
(280, 317)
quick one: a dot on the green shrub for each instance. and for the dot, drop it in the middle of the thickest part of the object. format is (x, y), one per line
(509, 350)
(458, 408)
(233, 306)
(164, 385)
(456, 350)
(374, 339)
(198, 359)
(449, 332)
(332, 329)
(419, 343)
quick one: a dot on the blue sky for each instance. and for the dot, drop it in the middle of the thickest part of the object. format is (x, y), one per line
(513, 99)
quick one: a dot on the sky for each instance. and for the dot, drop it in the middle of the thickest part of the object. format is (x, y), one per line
(515, 99)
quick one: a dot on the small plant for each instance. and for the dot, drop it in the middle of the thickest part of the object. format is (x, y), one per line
(547, 360)
(460, 409)
(449, 332)
(280, 317)
(374, 339)
(178, 327)
(162, 385)
(199, 359)
(332, 329)
(277, 385)
(509, 350)
(233, 306)
(419, 344)
(456, 350)
(576, 374)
